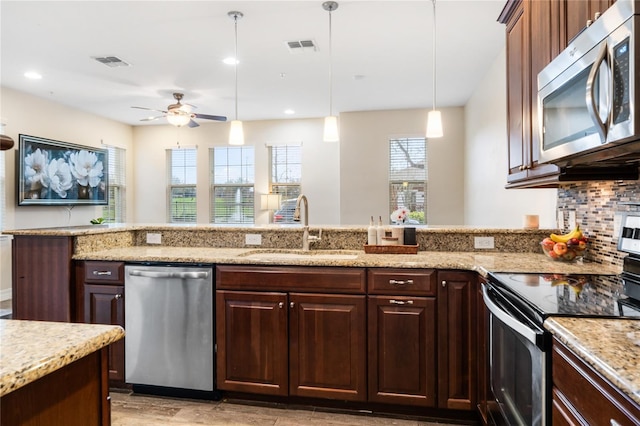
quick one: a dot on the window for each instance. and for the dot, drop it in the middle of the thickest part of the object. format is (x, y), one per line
(232, 184)
(2, 192)
(115, 212)
(285, 177)
(182, 184)
(408, 177)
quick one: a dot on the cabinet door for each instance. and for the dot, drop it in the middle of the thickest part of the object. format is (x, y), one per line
(457, 330)
(328, 346)
(402, 350)
(578, 12)
(104, 304)
(252, 354)
(42, 278)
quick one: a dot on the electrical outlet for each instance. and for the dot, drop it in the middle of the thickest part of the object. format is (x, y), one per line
(483, 242)
(154, 238)
(253, 239)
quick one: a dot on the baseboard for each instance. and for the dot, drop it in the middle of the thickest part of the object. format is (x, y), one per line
(5, 294)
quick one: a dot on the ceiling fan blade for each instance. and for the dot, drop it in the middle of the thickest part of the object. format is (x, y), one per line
(152, 118)
(149, 109)
(211, 117)
(192, 124)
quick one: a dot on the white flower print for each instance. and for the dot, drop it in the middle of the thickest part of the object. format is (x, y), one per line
(57, 176)
(86, 168)
(35, 165)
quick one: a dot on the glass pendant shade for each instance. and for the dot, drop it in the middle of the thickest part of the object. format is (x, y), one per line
(178, 119)
(434, 124)
(331, 129)
(236, 133)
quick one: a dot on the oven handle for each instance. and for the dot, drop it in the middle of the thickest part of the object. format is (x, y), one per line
(510, 321)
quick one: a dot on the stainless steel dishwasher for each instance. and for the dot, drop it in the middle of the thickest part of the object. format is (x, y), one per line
(170, 327)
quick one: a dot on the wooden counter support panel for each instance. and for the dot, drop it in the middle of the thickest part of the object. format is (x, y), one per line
(76, 395)
(42, 279)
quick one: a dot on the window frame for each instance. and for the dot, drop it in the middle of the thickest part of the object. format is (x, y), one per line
(287, 188)
(245, 184)
(173, 187)
(117, 161)
(415, 187)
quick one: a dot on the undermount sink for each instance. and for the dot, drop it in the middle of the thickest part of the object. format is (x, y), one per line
(300, 254)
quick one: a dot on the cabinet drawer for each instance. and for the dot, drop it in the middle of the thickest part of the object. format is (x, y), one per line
(588, 393)
(291, 278)
(104, 272)
(402, 281)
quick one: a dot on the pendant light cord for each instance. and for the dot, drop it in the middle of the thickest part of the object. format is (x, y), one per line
(434, 54)
(235, 19)
(330, 67)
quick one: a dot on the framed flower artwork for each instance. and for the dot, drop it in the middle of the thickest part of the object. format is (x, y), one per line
(51, 172)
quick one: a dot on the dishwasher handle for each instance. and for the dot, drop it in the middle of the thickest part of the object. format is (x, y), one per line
(169, 274)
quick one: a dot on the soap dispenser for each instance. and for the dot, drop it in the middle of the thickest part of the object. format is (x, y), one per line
(372, 234)
(380, 230)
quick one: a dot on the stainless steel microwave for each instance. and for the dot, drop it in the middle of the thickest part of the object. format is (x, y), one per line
(587, 95)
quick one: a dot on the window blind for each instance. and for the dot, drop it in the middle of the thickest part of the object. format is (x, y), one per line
(115, 211)
(408, 177)
(3, 193)
(286, 176)
(232, 184)
(182, 179)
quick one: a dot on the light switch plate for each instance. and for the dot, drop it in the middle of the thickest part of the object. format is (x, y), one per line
(154, 238)
(253, 239)
(483, 242)
(572, 219)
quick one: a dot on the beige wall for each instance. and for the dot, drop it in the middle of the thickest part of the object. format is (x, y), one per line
(487, 203)
(364, 159)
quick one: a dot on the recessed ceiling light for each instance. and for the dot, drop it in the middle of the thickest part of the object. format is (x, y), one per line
(289, 111)
(32, 75)
(230, 61)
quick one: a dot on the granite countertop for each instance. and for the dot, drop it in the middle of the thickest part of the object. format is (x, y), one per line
(473, 261)
(33, 349)
(610, 346)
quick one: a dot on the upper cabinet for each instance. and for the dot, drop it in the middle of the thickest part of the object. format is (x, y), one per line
(536, 32)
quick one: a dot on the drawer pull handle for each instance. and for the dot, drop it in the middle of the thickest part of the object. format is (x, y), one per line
(401, 302)
(400, 282)
(118, 296)
(101, 273)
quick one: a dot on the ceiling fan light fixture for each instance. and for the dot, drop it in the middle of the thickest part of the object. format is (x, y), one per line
(236, 132)
(331, 132)
(178, 119)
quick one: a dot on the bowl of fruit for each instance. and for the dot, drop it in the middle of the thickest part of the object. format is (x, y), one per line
(566, 247)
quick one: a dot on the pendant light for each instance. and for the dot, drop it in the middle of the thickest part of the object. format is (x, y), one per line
(434, 118)
(331, 133)
(236, 133)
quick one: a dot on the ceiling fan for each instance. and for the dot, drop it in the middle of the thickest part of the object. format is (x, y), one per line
(180, 114)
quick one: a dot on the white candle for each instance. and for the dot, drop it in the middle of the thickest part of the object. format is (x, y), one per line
(531, 221)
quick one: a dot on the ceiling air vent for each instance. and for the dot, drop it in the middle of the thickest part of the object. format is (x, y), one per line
(301, 46)
(111, 61)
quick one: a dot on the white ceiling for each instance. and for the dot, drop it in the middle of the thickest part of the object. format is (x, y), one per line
(381, 54)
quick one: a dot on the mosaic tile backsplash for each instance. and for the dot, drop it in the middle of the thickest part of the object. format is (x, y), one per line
(598, 207)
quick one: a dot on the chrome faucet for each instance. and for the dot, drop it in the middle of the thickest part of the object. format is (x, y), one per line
(305, 223)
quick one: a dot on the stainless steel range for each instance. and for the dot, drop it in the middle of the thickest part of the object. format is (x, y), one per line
(520, 347)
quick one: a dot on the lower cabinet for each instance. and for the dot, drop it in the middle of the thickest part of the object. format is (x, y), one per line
(104, 304)
(288, 342)
(457, 345)
(581, 396)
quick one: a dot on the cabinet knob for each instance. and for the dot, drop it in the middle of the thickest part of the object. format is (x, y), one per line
(118, 296)
(401, 302)
(292, 304)
(596, 16)
(614, 423)
(400, 282)
(444, 283)
(589, 22)
(281, 305)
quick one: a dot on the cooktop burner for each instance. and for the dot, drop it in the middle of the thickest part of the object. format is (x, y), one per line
(567, 294)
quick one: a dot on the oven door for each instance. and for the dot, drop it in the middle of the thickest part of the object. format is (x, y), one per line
(518, 362)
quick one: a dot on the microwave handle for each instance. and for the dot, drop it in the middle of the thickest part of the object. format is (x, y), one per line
(591, 99)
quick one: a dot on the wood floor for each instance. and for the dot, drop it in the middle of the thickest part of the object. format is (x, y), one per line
(142, 410)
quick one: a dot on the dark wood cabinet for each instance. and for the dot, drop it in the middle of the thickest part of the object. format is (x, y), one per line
(578, 13)
(42, 284)
(532, 40)
(583, 396)
(327, 346)
(104, 304)
(402, 336)
(252, 342)
(457, 345)
(276, 336)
